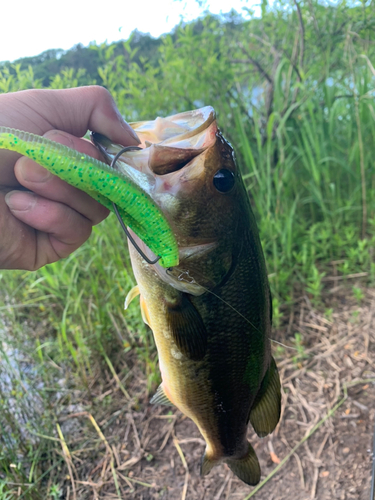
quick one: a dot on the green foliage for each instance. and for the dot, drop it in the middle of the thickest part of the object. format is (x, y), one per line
(328, 313)
(4, 493)
(314, 284)
(55, 492)
(358, 294)
(59, 329)
(300, 348)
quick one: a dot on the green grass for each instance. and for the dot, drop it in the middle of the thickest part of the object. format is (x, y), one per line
(313, 202)
(59, 329)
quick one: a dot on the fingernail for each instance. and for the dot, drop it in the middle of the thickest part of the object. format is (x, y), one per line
(127, 127)
(132, 133)
(20, 201)
(32, 172)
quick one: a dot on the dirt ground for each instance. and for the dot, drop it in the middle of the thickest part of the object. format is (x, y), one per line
(144, 452)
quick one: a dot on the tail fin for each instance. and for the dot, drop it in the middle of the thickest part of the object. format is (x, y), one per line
(246, 468)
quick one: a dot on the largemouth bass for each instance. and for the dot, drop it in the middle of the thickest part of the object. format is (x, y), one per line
(211, 314)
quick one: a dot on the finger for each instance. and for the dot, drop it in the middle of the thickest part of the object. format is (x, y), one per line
(14, 239)
(37, 179)
(72, 110)
(60, 229)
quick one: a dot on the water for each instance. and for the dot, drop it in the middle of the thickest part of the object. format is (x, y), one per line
(22, 393)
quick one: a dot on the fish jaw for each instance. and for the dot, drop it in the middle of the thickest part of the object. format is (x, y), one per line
(178, 277)
(188, 199)
(157, 170)
(185, 128)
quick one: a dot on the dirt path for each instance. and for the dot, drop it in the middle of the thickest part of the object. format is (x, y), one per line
(154, 453)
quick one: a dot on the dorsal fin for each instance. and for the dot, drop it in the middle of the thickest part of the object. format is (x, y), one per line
(265, 412)
(187, 328)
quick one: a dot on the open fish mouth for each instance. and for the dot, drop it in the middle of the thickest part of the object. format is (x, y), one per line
(167, 167)
(167, 144)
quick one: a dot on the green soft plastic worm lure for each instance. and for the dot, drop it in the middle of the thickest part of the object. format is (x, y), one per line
(103, 183)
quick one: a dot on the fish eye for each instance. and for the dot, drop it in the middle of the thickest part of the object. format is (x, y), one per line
(224, 180)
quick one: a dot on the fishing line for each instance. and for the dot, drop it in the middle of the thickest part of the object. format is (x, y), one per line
(134, 243)
(193, 281)
(284, 345)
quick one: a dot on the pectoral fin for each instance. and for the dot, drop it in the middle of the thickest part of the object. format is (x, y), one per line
(265, 412)
(134, 292)
(187, 328)
(160, 398)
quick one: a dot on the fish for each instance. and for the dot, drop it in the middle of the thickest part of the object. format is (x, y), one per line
(211, 314)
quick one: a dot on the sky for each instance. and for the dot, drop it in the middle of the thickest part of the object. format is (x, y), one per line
(30, 27)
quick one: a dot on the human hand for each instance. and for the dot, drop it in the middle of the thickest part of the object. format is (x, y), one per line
(52, 219)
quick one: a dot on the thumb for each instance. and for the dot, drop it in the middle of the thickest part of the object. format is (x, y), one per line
(73, 110)
(93, 108)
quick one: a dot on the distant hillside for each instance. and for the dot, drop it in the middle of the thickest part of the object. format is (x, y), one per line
(51, 62)
(139, 48)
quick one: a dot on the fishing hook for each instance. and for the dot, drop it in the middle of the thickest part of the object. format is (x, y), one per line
(141, 253)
